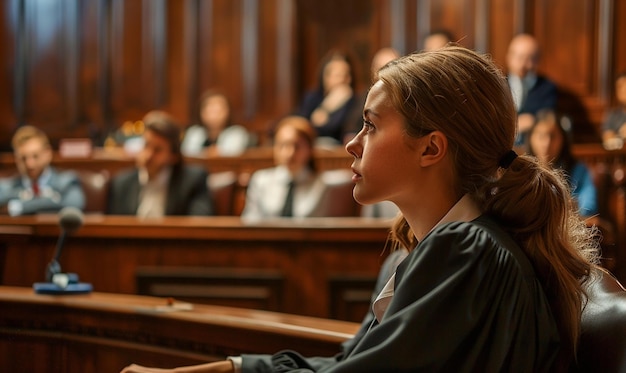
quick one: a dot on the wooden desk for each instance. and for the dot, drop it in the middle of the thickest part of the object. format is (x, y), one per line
(102, 332)
(323, 267)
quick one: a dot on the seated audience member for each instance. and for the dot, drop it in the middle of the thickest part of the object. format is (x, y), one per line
(39, 187)
(355, 118)
(531, 92)
(550, 143)
(293, 187)
(215, 130)
(329, 105)
(380, 59)
(437, 39)
(161, 184)
(614, 126)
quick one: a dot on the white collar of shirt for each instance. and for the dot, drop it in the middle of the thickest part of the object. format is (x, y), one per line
(520, 87)
(302, 176)
(464, 210)
(161, 179)
(528, 81)
(153, 193)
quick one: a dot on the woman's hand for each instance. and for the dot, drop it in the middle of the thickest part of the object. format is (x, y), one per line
(337, 97)
(134, 368)
(225, 366)
(334, 99)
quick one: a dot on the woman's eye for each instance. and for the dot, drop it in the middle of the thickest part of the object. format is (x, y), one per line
(367, 125)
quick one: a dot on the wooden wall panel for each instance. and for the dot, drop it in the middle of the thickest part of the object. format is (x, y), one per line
(567, 41)
(93, 88)
(9, 75)
(45, 88)
(82, 68)
(128, 91)
(570, 57)
(505, 19)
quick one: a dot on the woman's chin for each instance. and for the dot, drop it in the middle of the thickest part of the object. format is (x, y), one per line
(362, 198)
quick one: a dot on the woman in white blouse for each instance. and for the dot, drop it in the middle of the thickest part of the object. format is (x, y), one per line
(268, 193)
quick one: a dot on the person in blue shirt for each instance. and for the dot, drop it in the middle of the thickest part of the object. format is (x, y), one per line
(38, 187)
(550, 143)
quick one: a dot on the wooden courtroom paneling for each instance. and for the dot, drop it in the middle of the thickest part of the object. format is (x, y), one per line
(102, 332)
(304, 255)
(81, 68)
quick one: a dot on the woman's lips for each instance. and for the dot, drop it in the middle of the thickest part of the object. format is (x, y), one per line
(357, 176)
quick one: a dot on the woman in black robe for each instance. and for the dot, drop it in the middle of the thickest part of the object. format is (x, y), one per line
(498, 254)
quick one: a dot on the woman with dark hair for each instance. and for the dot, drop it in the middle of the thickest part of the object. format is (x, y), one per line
(329, 105)
(550, 143)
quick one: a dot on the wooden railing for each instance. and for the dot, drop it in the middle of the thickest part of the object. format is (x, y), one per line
(312, 267)
(102, 332)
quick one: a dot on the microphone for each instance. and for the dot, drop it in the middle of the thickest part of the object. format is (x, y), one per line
(70, 220)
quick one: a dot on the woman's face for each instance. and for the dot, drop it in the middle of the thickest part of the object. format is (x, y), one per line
(384, 156)
(291, 149)
(336, 73)
(214, 113)
(546, 141)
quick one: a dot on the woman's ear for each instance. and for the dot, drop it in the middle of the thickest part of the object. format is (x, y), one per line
(435, 148)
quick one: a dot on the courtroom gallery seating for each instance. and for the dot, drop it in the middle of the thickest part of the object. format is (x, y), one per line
(338, 200)
(95, 186)
(224, 187)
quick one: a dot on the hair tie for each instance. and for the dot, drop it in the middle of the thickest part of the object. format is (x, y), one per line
(507, 159)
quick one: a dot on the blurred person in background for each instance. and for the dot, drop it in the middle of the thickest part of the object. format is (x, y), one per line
(329, 105)
(39, 187)
(161, 184)
(550, 143)
(531, 92)
(437, 39)
(293, 188)
(614, 125)
(215, 131)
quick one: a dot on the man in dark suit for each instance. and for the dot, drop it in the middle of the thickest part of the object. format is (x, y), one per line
(161, 184)
(38, 187)
(531, 92)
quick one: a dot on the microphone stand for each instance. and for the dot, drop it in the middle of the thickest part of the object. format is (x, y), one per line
(54, 267)
(57, 282)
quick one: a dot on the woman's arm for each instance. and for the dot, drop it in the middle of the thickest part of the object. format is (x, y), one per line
(225, 366)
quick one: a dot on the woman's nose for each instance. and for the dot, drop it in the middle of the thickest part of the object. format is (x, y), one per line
(353, 147)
